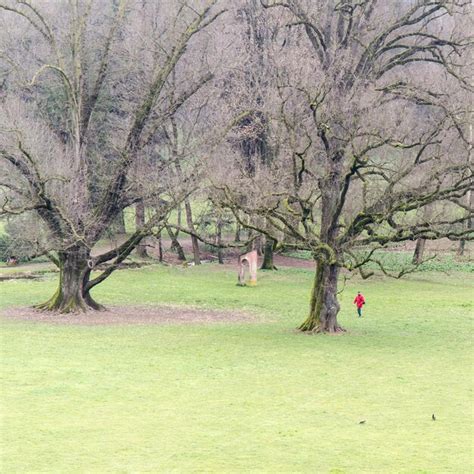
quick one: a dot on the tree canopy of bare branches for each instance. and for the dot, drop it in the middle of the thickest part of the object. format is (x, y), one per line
(370, 126)
(87, 90)
(331, 126)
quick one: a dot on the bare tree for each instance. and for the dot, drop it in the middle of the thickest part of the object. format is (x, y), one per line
(87, 90)
(352, 83)
(178, 146)
(469, 205)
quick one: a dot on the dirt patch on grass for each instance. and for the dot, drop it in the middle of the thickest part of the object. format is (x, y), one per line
(20, 276)
(131, 315)
(284, 261)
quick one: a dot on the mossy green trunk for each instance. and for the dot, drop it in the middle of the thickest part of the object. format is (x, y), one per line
(324, 306)
(72, 294)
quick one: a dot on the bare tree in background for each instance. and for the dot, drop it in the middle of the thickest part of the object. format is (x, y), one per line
(360, 72)
(469, 203)
(260, 82)
(140, 224)
(177, 144)
(87, 88)
(248, 84)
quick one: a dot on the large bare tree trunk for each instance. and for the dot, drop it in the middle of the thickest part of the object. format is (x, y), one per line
(72, 294)
(324, 306)
(139, 223)
(194, 240)
(419, 251)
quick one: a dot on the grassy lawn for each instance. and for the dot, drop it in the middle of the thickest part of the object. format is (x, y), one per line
(246, 396)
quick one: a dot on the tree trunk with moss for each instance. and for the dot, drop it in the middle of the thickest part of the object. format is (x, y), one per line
(72, 294)
(324, 306)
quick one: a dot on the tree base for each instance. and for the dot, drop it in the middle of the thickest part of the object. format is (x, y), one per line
(73, 304)
(312, 327)
(271, 268)
(320, 330)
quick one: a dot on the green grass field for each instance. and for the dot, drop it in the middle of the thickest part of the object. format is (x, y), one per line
(243, 397)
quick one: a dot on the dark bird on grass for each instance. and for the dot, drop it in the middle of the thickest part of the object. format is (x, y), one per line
(433, 417)
(361, 422)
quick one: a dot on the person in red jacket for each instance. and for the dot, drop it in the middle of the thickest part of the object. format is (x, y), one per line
(359, 300)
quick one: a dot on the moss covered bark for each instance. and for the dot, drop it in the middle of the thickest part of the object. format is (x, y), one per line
(72, 294)
(324, 306)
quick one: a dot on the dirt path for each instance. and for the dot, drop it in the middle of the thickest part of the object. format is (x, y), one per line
(127, 315)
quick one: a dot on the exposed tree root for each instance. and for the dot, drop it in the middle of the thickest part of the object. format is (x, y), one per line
(310, 328)
(73, 304)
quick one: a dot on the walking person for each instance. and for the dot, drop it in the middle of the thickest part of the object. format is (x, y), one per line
(359, 301)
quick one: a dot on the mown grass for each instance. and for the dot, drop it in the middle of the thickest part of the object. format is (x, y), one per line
(243, 397)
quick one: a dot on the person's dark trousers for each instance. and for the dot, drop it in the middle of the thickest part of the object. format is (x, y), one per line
(359, 312)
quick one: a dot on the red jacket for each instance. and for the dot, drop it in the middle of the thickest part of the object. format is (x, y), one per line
(359, 300)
